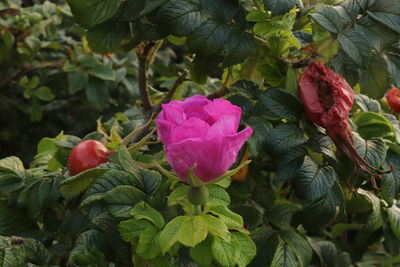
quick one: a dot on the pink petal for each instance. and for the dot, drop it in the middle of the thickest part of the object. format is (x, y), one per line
(164, 130)
(225, 125)
(192, 128)
(220, 107)
(173, 112)
(193, 107)
(212, 157)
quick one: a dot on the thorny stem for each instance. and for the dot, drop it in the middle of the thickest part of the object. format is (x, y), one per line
(142, 55)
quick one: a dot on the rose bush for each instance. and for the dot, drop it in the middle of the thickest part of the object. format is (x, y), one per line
(203, 134)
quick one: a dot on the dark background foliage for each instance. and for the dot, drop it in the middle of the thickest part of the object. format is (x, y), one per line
(300, 197)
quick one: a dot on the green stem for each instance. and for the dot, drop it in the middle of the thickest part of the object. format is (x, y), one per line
(197, 209)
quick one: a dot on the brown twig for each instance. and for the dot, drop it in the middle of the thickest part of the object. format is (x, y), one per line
(9, 11)
(142, 55)
(182, 78)
(220, 92)
(4, 82)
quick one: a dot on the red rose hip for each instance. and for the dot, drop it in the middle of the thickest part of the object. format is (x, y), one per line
(393, 99)
(87, 155)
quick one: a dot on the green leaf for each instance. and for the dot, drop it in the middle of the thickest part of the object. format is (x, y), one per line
(231, 219)
(14, 222)
(238, 47)
(201, 253)
(387, 12)
(36, 111)
(181, 17)
(252, 217)
(209, 37)
(192, 231)
(148, 246)
(143, 211)
(222, 10)
(326, 251)
(280, 104)
(168, 236)
(375, 219)
(107, 37)
(367, 104)
(151, 5)
(284, 256)
(77, 81)
(91, 239)
(77, 184)
(374, 79)
(132, 228)
(261, 130)
(300, 245)
(349, 10)
(40, 194)
(10, 182)
(226, 253)
(373, 151)
(218, 195)
(371, 124)
(105, 183)
(152, 181)
(393, 159)
(281, 213)
(216, 227)
(128, 163)
(36, 251)
(248, 249)
(394, 219)
(12, 164)
(97, 93)
(355, 45)
(289, 163)
(89, 13)
(278, 7)
(101, 71)
(123, 198)
(322, 211)
(393, 63)
(44, 93)
(378, 36)
(266, 241)
(285, 137)
(329, 18)
(314, 180)
(12, 255)
(178, 195)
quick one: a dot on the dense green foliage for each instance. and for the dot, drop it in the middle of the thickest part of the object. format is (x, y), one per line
(298, 203)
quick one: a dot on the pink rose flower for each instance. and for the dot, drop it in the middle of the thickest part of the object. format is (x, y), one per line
(201, 132)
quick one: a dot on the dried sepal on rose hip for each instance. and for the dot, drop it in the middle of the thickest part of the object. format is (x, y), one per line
(327, 99)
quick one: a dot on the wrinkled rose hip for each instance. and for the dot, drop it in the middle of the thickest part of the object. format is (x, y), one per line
(327, 99)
